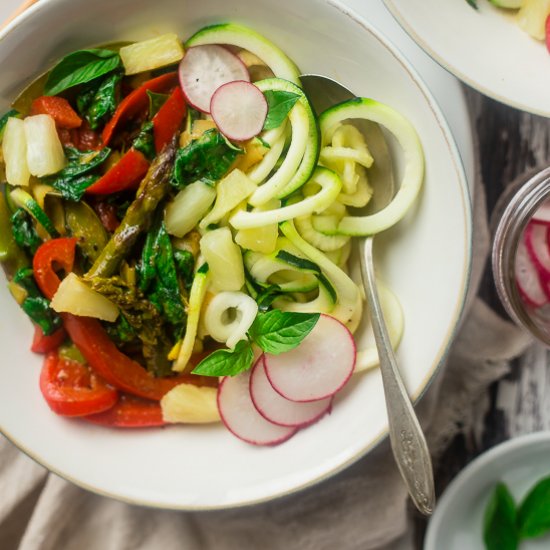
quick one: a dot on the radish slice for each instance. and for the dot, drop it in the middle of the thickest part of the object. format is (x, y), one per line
(527, 278)
(239, 109)
(318, 367)
(275, 408)
(536, 240)
(542, 215)
(241, 417)
(204, 69)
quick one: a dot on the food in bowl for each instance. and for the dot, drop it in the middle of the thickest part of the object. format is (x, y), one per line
(174, 214)
(531, 16)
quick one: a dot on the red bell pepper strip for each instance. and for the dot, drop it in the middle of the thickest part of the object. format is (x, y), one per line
(59, 109)
(137, 101)
(72, 389)
(90, 338)
(130, 412)
(125, 174)
(169, 119)
(44, 344)
(51, 255)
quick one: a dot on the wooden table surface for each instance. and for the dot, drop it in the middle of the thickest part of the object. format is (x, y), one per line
(510, 143)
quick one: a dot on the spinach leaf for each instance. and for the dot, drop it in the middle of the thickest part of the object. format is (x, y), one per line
(23, 230)
(80, 67)
(35, 305)
(156, 101)
(98, 101)
(75, 178)
(225, 362)
(145, 141)
(499, 522)
(73, 189)
(278, 331)
(534, 511)
(185, 265)
(279, 104)
(207, 158)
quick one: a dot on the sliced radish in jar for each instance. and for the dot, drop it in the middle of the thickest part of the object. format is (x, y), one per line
(239, 110)
(527, 278)
(319, 367)
(204, 69)
(241, 417)
(536, 240)
(275, 408)
(542, 215)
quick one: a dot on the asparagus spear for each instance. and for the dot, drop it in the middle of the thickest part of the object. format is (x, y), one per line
(152, 190)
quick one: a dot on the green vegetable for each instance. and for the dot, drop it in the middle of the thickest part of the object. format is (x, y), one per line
(80, 67)
(145, 141)
(207, 158)
(83, 223)
(277, 331)
(137, 219)
(279, 104)
(76, 177)
(266, 296)
(98, 101)
(11, 255)
(156, 101)
(473, 3)
(499, 523)
(534, 512)
(72, 353)
(23, 231)
(24, 200)
(35, 305)
(224, 362)
(185, 264)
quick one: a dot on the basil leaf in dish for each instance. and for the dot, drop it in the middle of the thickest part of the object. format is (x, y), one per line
(80, 67)
(499, 523)
(534, 512)
(279, 105)
(224, 362)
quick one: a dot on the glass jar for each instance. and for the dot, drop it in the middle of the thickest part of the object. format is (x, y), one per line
(521, 254)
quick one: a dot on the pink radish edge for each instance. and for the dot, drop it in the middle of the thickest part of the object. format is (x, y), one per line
(239, 110)
(198, 84)
(527, 278)
(279, 410)
(293, 374)
(241, 418)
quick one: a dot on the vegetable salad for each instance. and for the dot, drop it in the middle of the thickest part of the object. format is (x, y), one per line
(176, 214)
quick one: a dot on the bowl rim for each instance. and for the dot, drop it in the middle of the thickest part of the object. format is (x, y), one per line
(449, 66)
(458, 310)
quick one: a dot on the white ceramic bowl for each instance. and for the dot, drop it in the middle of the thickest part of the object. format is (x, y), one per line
(485, 48)
(426, 260)
(457, 523)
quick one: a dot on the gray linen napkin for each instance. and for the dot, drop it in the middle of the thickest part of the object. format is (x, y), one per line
(364, 507)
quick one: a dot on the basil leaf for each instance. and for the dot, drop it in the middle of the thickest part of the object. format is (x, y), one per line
(278, 331)
(499, 523)
(82, 162)
(534, 511)
(73, 188)
(98, 101)
(80, 67)
(224, 362)
(279, 104)
(472, 3)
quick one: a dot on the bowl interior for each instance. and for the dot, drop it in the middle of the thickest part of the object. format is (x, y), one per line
(425, 260)
(510, 67)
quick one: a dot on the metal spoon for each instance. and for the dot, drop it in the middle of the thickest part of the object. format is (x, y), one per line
(407, 440)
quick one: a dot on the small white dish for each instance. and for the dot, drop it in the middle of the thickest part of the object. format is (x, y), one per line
(485, 48)
(457, 523)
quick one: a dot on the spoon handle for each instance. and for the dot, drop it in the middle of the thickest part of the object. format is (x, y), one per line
(406, 436)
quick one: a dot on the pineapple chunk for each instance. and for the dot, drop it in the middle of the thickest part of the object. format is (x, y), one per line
(190, 404)
(260, 239)
(231, 191)
(151, 54)
(74, 296)
(224, 260)
(532, 16)
(45, 155)
(14, 150)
